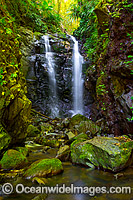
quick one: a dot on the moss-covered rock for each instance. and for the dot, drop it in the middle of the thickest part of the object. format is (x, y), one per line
(5, 139)
(103, 152)
(32, 131)
(82, 124)
(76, 119)
(88, 127)
(14, 105)
(23, 150)
(44, 168)
(13, 159)
(82, 136)
(113, 87)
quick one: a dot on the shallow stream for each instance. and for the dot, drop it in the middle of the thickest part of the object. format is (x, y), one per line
(78, 176)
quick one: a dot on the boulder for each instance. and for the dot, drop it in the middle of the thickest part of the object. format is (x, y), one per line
(44, 168)
(13, 159)
(23, 150)
(112, 154)
(88, 127)
(81, 136)
(76, 119)
(32, 131)
(82, 124)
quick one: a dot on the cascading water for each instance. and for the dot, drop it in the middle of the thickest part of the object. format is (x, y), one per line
(54, 77)
(54, 111)
(77, 79)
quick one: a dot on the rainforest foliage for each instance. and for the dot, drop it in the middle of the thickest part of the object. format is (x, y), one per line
(96, 38)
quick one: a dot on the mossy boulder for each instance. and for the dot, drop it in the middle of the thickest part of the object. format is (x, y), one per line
(76, 119)
(32, 131)
(13, 159)
(23, 150)
(5, 139)
(88, 127)
(44, 168)
(112, 154)
(81, 124)
(82, 136)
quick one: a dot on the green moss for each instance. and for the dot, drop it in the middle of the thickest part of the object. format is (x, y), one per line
(81, 136)
(77, 119)
(100, 86)
(32, 131)
(22, 150)
(88, 127)
(43, 168)
(13, 159)
(104, 152)
(119, 86)
(38, 35)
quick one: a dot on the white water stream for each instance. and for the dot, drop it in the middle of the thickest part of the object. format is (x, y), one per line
(52, 80)
(77, 79)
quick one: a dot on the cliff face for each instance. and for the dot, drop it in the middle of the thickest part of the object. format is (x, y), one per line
(111, 79)
(14, 105)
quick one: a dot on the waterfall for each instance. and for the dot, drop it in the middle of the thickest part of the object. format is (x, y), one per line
(77, 79)
(54, 111)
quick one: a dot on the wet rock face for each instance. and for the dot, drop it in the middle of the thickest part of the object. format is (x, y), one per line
(111, 78)
(38, 78)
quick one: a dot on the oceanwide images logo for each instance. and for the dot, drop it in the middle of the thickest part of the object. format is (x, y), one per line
(8, 189)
